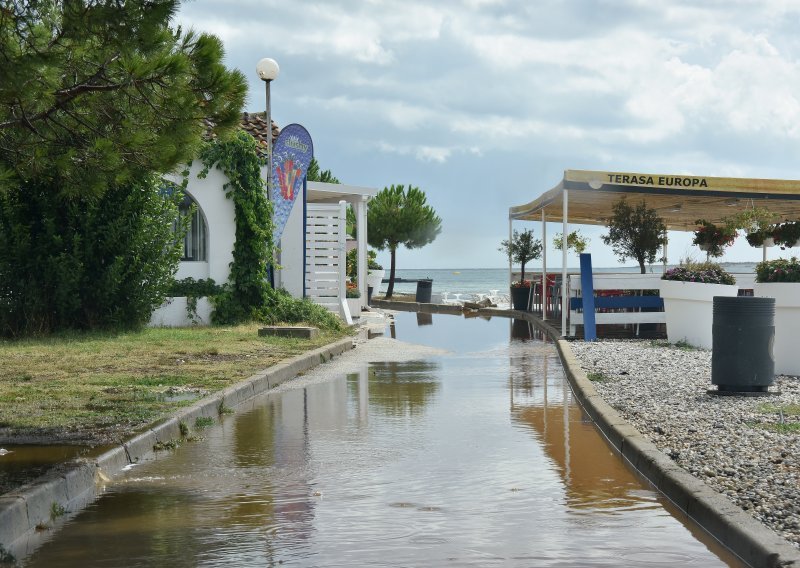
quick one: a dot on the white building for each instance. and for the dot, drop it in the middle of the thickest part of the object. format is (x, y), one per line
(311, 252)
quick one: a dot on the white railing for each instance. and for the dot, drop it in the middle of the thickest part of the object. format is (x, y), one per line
(615, 281)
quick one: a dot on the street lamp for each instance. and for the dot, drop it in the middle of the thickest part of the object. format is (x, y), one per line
(268, 70)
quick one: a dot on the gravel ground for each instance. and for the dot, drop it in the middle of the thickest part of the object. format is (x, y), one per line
(747, 448)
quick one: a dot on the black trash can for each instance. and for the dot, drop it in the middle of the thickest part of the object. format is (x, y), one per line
(424, 288)
(743, 333)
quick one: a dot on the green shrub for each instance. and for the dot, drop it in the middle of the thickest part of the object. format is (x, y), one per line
(283, 308)
(190, 287)
(778, 270)
(705, 272)
(87, 263)
(786, 234)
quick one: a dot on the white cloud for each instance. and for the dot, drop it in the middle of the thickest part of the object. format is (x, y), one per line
(711, 88)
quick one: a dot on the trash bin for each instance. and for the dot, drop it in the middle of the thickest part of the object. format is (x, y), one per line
(424, 288)
(742, 335)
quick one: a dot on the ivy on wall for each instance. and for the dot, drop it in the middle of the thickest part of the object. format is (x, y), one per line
(247, 290)
(247, 295)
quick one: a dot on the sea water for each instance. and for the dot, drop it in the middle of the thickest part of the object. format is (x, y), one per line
(467, 281)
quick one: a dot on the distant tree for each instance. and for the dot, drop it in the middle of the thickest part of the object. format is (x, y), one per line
(314, 173)
(98, 93)
(326, 176)
(522, 248)
(635, 232)
(397, 216)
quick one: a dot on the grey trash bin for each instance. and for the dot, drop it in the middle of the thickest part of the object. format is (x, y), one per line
(743, 333)
(424, 288)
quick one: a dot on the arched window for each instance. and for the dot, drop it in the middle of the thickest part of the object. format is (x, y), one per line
(194, 244)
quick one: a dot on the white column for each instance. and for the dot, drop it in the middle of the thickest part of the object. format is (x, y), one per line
(343, 253)
(361, 232)
(564, 286)
(544, 265)
(510, 265)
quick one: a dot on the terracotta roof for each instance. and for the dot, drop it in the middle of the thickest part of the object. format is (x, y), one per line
(255, 124)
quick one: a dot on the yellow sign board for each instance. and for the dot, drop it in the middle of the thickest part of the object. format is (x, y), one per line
(597, 179)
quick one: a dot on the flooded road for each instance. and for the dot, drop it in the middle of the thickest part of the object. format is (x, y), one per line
(479, 457)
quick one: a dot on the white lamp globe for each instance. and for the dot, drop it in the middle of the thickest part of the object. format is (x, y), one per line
(268, 69)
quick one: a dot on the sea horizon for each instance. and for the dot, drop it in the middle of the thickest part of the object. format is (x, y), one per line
(485, 280)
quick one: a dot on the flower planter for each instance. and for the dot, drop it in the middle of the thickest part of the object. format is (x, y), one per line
(689, 310)
(787, 323)
(519, 298)
(374, 279)
(354, 305)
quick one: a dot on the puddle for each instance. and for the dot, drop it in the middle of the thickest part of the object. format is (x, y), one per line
(24, 463)
(473, 452)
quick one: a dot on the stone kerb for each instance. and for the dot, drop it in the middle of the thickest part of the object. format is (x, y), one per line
(734, 528)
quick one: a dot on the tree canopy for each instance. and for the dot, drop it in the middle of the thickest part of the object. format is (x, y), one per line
(99, 93)
(522, 248)
(397, 216)
(635, 232)
(98, 99)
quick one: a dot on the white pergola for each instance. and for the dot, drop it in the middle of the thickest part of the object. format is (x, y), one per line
(319, 192)
(587, 197)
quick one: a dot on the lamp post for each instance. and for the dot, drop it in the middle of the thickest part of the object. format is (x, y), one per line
(268, 70)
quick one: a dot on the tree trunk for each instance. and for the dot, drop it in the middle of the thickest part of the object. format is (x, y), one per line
(522, 270)
(642, 266)
(390, 288)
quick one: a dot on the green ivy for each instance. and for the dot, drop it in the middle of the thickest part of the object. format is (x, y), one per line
(193, 289)
(247, 295)
(248, 289)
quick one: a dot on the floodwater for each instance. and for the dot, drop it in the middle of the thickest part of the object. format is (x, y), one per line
(475, 458)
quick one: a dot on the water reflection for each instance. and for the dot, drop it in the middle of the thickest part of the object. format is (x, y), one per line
(521, 329)
(594, 477)
(476, 459)
(424, 319)
(402, 388)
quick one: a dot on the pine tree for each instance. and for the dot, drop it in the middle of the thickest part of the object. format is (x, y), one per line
(96, 93)
(399, 217)
(98, 99)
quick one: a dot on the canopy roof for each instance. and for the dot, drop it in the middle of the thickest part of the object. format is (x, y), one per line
(320, 192)
(680, 200)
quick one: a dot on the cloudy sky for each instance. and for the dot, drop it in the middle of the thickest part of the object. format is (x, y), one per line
(484, 103)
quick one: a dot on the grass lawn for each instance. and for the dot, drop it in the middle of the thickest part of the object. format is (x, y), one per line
(100, 388)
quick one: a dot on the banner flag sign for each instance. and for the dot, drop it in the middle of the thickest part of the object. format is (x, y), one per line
(291, 156)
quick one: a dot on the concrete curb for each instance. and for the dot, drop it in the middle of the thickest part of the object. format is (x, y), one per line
(730, 525)
(746, 537)
(43, 501)
(417, 307)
